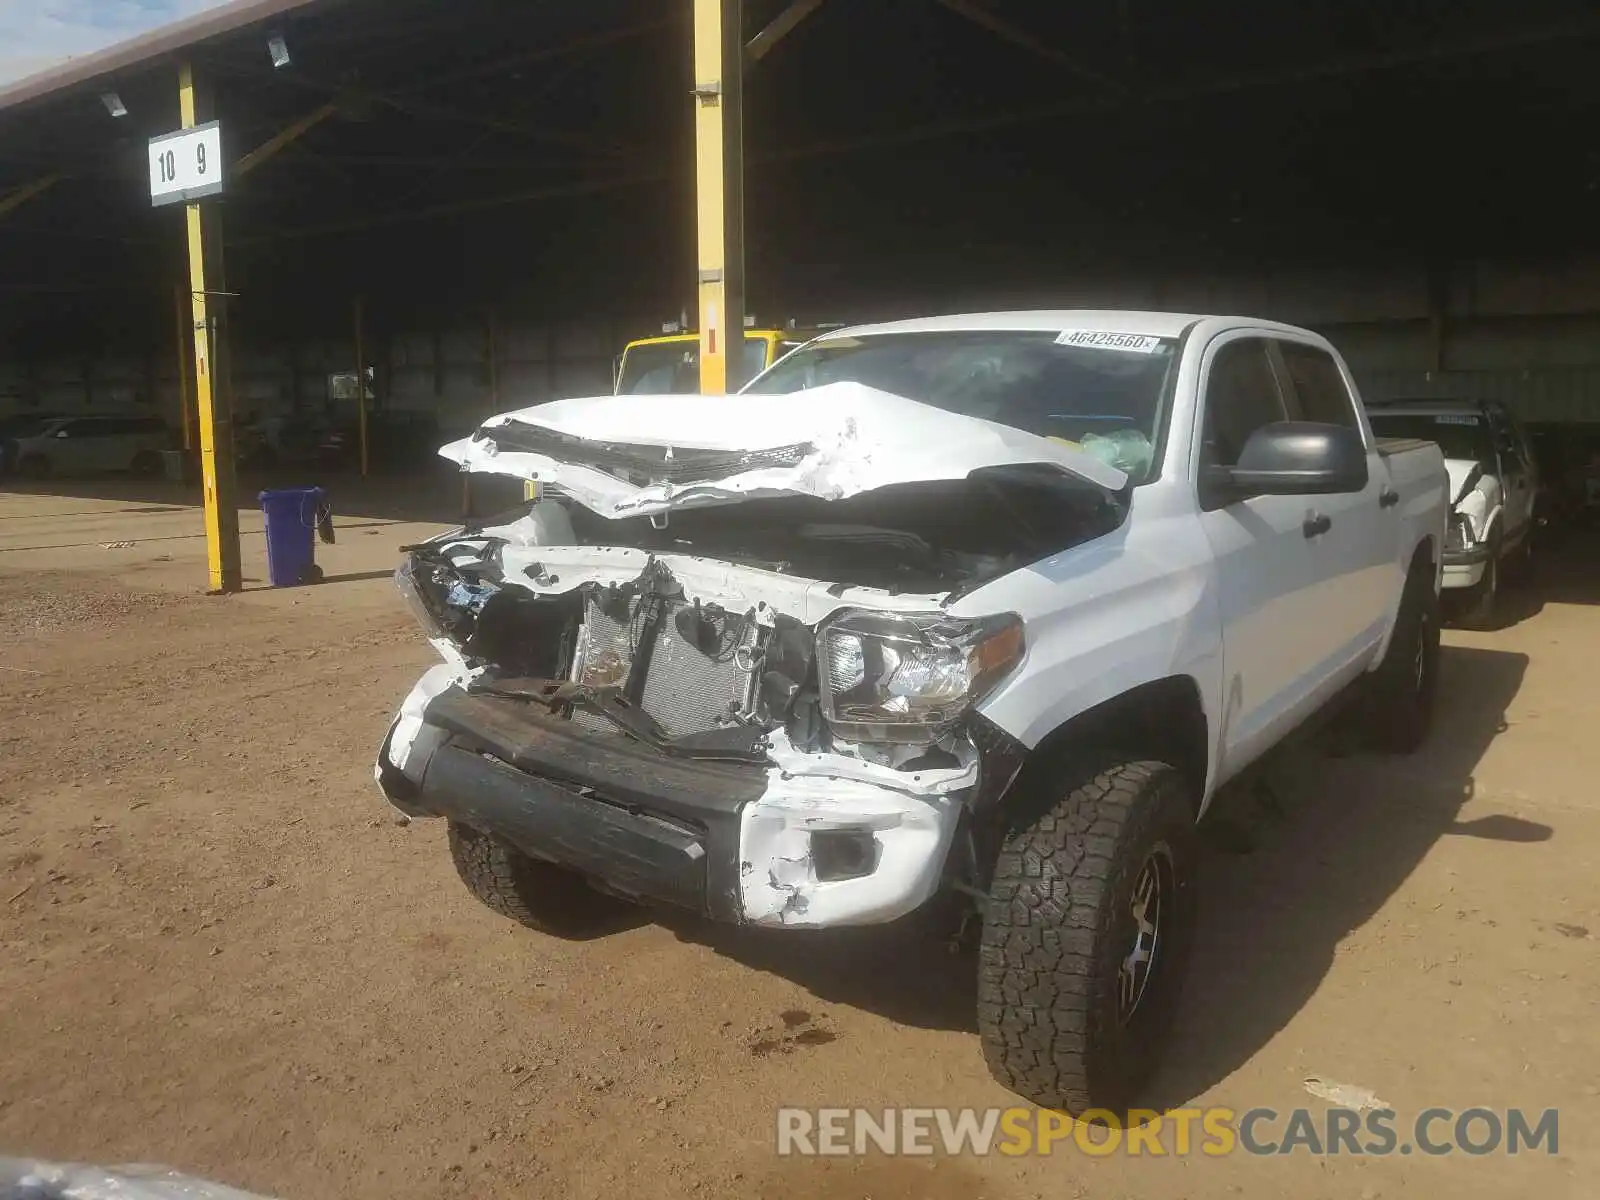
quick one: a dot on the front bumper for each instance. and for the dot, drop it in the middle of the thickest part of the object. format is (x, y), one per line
(1464, 568)
(731, 841)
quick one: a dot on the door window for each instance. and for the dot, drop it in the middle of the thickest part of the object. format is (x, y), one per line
(1242, 395)
(1318, 385)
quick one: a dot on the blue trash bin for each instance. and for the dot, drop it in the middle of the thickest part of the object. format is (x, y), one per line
(292, 516)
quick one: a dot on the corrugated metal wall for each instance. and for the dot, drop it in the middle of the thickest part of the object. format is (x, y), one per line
(1527, 334)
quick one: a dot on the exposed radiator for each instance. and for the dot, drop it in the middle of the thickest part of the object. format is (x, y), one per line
(692, 683)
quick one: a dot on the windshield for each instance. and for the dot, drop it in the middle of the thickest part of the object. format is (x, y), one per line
(1459, 435)
(673, 368)
(1107, 399)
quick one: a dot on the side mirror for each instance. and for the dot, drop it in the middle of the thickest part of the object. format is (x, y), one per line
(1296, 458)
(61, 433)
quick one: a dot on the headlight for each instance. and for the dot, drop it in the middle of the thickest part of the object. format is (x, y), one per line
(1458, 535)
(405, 579)
(893, 678)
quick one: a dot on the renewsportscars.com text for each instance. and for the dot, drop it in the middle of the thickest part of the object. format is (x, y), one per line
(1209, 1131)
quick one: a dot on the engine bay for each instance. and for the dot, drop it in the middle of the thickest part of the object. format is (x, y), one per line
(726, 675)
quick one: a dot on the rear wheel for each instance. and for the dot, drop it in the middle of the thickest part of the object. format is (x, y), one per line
(146, 462)
(1087, 935)
(537, 894)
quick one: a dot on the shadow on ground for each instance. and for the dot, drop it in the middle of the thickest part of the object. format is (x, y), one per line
(1288, 871)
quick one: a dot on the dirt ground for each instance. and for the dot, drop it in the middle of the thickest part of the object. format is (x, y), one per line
(220, 951)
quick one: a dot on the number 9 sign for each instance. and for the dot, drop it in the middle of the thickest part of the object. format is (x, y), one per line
(187, 165)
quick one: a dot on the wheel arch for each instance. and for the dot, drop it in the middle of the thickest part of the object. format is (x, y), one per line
(1164, 719)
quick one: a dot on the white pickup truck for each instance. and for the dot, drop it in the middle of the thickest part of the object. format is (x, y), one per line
(988, 614)
(1494, 480)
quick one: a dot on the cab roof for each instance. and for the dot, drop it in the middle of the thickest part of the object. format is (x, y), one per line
(1099, 320)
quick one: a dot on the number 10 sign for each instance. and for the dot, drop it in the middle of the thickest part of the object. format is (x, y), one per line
(186, 165)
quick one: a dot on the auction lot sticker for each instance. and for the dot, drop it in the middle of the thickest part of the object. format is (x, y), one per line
(1094, 339)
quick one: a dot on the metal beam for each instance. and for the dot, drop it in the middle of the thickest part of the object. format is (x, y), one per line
(974, 11)
(577, 187)
(20, 196)
(283, 139)
(719, 191)
(213, 383)
(1197, 90)
(779, 28)
(578, 45)
(427, 110)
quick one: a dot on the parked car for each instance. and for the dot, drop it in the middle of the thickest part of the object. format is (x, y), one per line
(89, 445)
(14, 426)
(1494, 485)
(914, 642)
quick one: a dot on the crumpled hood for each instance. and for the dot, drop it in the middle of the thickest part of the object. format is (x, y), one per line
(625, 456)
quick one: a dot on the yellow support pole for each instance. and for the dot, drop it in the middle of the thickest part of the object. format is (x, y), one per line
(185, 363)
(361, 386)
(719, 191)
(213, 384)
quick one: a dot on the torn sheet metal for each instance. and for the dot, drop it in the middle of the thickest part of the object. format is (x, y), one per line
(838, 440)
(412, 741)
(792, 762)
(547, 570)
(777, 878)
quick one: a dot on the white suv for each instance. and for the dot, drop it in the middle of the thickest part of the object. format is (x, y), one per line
(89, 445)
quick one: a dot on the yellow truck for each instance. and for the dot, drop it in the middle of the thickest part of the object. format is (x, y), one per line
(670, 364)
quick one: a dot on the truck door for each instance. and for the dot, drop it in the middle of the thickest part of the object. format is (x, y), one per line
(1265, 565)
(1358, 555)
(1516, 476)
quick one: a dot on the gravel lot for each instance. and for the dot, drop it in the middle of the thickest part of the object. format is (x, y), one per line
(218, 949)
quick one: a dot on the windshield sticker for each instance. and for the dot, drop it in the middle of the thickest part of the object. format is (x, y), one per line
(1133, 343)
(1454, 419)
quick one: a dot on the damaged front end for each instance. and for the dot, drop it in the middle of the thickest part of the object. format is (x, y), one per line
(764, 711)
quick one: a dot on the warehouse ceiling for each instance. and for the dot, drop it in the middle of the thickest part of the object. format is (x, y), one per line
(540, 154)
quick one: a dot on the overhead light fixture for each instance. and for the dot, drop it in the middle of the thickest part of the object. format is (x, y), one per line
(279, 49)
(114, 104)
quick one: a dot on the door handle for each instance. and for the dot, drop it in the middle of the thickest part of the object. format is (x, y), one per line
(1388, 498)
(1316, 524)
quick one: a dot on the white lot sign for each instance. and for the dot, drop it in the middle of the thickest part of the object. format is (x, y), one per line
(186, 165)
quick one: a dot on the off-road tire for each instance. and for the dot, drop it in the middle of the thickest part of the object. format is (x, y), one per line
(1480, 608)
(1404, 686)
(1059, 924)
(537, 894)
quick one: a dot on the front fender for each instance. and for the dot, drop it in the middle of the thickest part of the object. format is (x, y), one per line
(1132, 608)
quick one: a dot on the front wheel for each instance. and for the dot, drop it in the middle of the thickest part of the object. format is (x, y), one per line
(1481, 607)
(537, 894)
(1087, 935)
(1404, 685)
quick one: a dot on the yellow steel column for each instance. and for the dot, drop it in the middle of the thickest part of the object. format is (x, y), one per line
(213, 384)
(719, 191)
(185, 363)
(361, 387)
